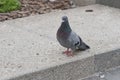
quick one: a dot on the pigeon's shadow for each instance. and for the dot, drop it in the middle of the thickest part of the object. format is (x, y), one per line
(79, 51)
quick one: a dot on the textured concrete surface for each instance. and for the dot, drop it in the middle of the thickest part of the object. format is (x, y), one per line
(29, 45)
(109, 75)
(113, 3)
(84, 2)
(108, 60)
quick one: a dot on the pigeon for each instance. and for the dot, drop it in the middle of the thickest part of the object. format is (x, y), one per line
(69, 39)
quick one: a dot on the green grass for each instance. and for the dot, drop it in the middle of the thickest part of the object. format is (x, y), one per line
(9, 5)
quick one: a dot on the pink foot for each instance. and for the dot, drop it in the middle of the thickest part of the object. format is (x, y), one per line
(68, 53)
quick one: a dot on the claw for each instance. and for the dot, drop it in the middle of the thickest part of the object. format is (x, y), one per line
(68, 53)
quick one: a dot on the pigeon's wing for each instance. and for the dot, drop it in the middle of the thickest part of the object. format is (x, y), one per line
(74, 40)
(83, 46)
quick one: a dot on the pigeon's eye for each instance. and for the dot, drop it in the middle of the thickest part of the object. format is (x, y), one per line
(76, 43)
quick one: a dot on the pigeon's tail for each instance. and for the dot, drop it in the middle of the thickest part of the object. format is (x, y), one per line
(83, 47)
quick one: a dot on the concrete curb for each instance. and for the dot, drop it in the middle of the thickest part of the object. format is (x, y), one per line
(84, 2)
(68, 71)
(112, 3)
(77, 69)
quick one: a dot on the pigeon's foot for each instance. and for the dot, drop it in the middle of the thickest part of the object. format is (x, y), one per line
(68, 53)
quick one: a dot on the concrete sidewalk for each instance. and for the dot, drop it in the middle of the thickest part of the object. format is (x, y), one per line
(29, 44)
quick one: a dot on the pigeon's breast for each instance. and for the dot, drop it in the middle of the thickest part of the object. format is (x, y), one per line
(64, 43)
(62, 37)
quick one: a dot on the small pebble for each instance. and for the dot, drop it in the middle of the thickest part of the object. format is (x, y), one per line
(37, 53)
(102, 76)
(32, 43)
(9, 44)
(19, 66)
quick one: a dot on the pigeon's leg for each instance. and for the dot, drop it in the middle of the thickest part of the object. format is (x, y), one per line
(68, 53)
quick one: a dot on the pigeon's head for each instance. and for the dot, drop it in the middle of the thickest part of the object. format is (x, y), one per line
(65, 18)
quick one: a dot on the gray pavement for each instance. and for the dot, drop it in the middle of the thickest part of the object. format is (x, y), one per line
(109, 75)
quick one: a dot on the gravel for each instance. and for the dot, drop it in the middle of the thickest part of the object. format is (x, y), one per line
(33, 7)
